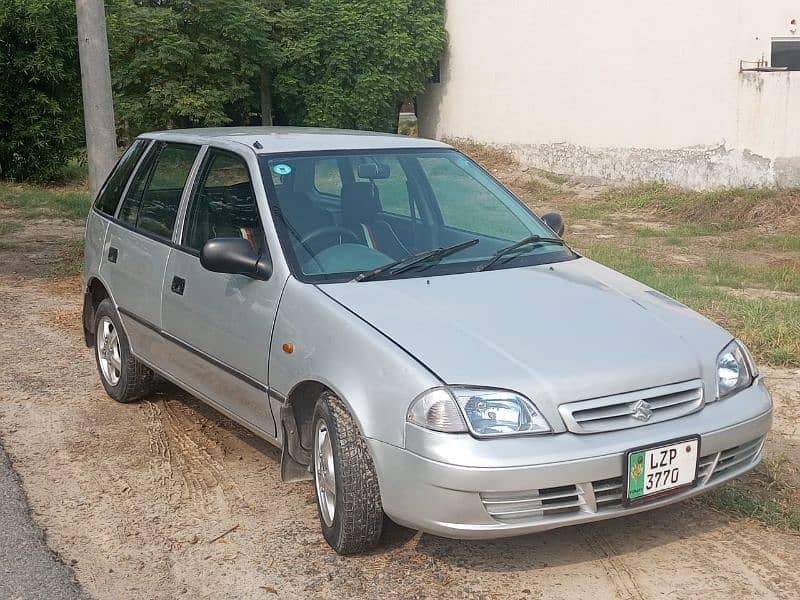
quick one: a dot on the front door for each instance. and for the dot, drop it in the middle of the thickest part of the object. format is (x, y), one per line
(220, 325)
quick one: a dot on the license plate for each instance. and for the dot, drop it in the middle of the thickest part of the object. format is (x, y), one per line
(660, 470)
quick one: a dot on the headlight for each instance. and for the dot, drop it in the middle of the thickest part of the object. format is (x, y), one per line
(488, 412)
(734, 369)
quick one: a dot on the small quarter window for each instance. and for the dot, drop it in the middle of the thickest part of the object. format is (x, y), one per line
(129, 211)
(224, 204)
(109, 196)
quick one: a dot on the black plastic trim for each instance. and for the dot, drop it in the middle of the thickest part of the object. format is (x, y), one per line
(208, 358)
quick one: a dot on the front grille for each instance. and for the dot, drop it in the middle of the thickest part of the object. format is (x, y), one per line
(604, 494)
(732, 459)
(611, 413)
(546, 503)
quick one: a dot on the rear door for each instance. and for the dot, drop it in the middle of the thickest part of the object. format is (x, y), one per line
(219, 325)
(138, 243)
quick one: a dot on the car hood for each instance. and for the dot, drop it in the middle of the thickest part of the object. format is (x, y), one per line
(557, 333)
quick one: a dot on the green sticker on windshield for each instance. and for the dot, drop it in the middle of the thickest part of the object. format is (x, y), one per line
(281, 169)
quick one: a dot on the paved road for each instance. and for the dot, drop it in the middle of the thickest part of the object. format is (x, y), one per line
(28, 569)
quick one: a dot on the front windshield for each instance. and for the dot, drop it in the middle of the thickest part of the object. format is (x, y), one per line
(344, 213)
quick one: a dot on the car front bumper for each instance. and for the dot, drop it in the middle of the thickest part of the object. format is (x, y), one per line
(460, 487)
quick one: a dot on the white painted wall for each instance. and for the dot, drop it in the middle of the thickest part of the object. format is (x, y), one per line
(622, 89)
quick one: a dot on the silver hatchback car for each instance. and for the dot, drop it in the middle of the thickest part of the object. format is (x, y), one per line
(415, 339)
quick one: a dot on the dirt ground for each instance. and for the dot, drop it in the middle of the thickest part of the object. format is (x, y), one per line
(169, 499)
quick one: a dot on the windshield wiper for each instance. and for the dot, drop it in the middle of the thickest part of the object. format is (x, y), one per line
(409, 262)
(528, 241)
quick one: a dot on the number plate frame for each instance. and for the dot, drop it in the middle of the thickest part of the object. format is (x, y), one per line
(627, 501)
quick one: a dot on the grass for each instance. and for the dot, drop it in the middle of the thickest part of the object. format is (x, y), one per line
(9, 227)
(777, 241)
(768, 494)
(728, 273)
(701, 212)
(554, 178)
(38, 201)
(769, 326)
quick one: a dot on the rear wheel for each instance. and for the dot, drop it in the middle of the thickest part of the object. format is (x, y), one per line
(348, 498)
(124, 378)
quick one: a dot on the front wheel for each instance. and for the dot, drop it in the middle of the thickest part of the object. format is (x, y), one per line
(348, 498)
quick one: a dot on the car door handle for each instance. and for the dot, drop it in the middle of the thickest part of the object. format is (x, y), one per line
(113, 253)
(178, 285)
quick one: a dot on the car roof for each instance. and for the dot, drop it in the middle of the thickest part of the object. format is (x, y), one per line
(275, 140)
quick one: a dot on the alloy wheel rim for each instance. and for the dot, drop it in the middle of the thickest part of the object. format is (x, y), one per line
(324, 472)
(108, 354)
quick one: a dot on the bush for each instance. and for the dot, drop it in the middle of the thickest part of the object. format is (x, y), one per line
(41, 124)
(188, 64)
(351, 63)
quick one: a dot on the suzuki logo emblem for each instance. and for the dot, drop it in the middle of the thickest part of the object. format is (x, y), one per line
(642, 411)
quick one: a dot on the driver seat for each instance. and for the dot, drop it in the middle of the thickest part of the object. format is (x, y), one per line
(361, 214)
(300, 214)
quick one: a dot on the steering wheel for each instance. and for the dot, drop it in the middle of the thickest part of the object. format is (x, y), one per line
(329, 230)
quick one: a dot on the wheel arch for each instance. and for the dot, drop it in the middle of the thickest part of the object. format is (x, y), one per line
(95, 292)
(296, 423)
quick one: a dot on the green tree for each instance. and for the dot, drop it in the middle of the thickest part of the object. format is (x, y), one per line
(189, 63)
(350, 63)
(41, 124)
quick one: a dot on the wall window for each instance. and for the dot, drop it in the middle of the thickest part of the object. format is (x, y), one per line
(786, 53)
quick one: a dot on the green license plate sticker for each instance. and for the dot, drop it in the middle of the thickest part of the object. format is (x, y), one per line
(658, 470)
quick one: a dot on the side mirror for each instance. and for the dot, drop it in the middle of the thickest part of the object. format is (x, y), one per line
(555, 222)
(235, 256)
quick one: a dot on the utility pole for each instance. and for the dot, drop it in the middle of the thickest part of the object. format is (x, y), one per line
(266, 96)
(98, 103)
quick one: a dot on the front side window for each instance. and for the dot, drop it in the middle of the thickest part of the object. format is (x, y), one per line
(109, 196)
(151, 204)
(392, 190)
(327, 179)
(224, 204)
(395, 205)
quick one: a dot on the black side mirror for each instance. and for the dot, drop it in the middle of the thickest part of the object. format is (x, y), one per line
(235, 256)
(555, 222)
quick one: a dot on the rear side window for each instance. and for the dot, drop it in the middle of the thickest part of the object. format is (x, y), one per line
(151, 204)
(109, 196)
(224, 204)
(163, 195)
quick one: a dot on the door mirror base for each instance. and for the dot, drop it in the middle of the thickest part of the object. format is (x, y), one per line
(235, 256)
(555, 222)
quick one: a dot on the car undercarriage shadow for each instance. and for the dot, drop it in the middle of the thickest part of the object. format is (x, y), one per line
(579, 543)
(168, 391)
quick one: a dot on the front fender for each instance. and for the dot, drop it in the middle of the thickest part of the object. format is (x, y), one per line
(371, 374)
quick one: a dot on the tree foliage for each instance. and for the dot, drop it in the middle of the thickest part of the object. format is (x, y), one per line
(188, 63)
(41, 122)
(193, 63)
(350, 63)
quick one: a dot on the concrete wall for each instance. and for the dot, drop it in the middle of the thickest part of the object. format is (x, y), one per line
(622, 89)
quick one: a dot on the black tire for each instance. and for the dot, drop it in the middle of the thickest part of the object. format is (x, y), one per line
(358, 515)
(135, 379)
